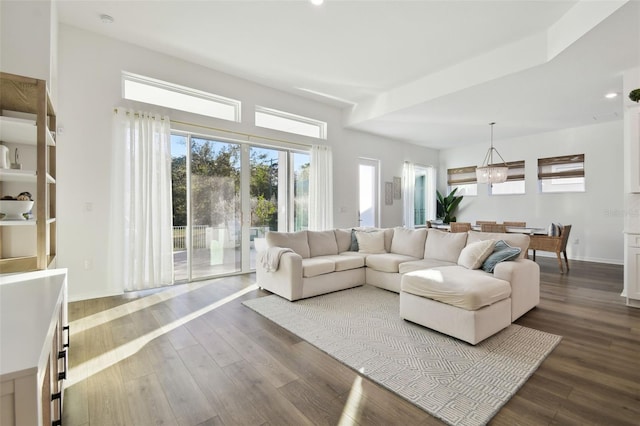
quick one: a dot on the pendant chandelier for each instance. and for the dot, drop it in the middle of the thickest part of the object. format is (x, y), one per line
(489, 172)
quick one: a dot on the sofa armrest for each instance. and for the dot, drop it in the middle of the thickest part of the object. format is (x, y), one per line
(524, 277)
(286, 281)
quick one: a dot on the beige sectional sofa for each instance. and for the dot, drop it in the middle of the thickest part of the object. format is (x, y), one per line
(428, 267)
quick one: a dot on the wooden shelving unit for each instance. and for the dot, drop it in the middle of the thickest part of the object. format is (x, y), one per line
(27, 118)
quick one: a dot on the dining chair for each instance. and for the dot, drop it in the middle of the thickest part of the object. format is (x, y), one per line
(481, 222)
(558, 245)
(516, 224)
(459, 226)
(493, 227)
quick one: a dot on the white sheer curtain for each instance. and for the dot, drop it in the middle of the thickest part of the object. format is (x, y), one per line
(408, 194)
(321, 188)
(141, 246)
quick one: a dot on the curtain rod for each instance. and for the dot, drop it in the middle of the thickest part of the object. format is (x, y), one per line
(233, 132)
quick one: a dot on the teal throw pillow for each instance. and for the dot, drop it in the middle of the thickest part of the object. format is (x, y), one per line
(501, 252)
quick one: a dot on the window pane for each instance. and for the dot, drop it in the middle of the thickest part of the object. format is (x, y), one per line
(419, 206)
(509, 187)
(301, 164)
(468, 189)
(215, 207)
(179, 196)
(562, 185)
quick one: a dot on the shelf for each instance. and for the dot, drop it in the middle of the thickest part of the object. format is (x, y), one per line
(30, 222)
(15, 175)
(21, 131)
(28, 118)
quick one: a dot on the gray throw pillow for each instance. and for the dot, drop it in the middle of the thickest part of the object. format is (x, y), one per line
(501, 252)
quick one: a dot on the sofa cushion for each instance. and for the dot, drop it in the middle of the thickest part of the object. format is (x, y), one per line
(345, 262)
(370, 241)
(387, 262)
(315, 266)
(501, 252)
(322, 243)
(409, 242)
(416, 265)
(388, 237)
(296, 241)
(474, 254)
(457, 286)
(354, 253)
(443, 245)
(513, 239)
(343, 239)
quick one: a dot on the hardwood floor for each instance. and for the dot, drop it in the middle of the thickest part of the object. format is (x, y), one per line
(193, 355)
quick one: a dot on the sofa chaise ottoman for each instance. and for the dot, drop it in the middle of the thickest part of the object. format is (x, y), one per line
(456, 301)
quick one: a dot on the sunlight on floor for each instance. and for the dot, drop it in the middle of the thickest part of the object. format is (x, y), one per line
(351, 412)
(87, 369)
(108, 315)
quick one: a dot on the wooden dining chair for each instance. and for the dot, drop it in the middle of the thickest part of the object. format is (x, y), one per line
(557, 245)
(516, 224)
(460, 226)
(481, 222)
(493, 227)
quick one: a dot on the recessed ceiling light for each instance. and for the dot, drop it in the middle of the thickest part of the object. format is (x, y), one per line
(316, 2)
(611, 95)
(106, 19)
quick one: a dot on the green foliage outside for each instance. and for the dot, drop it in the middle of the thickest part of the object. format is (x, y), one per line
(215, 186)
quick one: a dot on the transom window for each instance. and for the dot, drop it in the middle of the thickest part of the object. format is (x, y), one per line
(157, 92)
(290, 123)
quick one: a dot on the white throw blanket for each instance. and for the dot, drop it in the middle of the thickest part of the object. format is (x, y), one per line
(270, 258)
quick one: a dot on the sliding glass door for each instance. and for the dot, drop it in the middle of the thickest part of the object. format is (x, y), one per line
(227, 194)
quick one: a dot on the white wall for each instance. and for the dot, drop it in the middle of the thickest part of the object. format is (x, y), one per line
(596, 215)
(27, 34)
(89, 85)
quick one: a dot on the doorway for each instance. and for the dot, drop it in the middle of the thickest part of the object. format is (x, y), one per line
(368, 192)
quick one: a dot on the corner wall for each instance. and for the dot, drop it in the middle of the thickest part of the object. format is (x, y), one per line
(90, 68)
(597, 215)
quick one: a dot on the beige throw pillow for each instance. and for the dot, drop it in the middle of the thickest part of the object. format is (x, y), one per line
(370, 242)
(474, 254)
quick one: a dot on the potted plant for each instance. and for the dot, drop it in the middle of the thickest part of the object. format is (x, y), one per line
(447, 205)
(634, 95)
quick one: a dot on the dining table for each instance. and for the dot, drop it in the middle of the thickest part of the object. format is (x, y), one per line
(510, 229)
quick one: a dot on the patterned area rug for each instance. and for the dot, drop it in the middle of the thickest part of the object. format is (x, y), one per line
(450, 379)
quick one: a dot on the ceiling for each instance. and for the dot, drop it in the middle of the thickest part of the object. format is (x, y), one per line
(433, 73)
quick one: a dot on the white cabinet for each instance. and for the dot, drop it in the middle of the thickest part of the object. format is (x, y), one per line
(33, 347)
(632, 141)
(632, 269)
(27, 118)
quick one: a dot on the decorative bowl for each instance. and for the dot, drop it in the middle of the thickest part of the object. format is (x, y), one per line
(14, 209)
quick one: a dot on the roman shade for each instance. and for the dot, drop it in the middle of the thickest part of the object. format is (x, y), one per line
(461, 176)
(567, 166)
